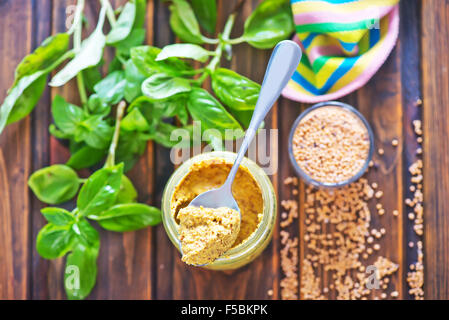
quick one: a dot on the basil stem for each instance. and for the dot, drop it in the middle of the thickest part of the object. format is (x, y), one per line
(110, 161)
(77, 46)
(109, 12)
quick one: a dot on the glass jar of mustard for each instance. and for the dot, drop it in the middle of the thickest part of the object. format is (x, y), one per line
(252, 241)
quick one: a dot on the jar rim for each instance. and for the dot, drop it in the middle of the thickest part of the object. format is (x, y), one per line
(307, 178)
(251, 243)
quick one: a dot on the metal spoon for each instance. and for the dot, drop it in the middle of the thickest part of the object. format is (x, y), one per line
(283, 62)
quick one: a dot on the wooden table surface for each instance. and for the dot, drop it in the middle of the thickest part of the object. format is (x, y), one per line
(144, 264)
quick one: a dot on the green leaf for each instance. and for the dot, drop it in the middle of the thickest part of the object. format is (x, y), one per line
(134, 79)
(111, 89)
(97, 105)
(55, 184)
(95, 132)
(58, 216)
(183, 22)
(123, 25)
(135, 38)
(28, 100)
(89, 55)
(163, 135)
(128, 217)
(135, 121)
(66, 115)
(86, 234)
(127, 192)
(162, 86)
(131, 146)
(91, 77)
(43, 57)
(205, 108)
(271, 22)
(54, 241)
(100, 190)
(144, 58)
(80, 272)
(81, 266)
(184, 50)
(206, 12)
(86, 157)
(29, 83)
(141, 6)
(234, 90)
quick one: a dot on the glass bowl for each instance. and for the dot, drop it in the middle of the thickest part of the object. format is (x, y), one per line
(301, 173)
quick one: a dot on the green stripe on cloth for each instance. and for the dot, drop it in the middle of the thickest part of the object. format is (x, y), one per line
(336, 27)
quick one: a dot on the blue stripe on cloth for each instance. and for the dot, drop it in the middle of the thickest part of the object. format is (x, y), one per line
(306, 42)
(374, 37)
(347, 64)
(348, 46)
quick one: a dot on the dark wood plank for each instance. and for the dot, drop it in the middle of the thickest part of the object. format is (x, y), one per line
(381, 102)
(40, 119)
(435, 75)
(15, 156)
(409, 38)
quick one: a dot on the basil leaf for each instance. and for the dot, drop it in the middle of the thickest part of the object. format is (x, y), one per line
(28, 100)
(80, 272)
(271, 22)
(234, 90)
(100, 190)
(89, 55)
(127, 192)
(58, 216)
(184, 23)
(206, 12)
(123, 25)
(111, 89)
(184, 50)
(128, 217)
(163, 135)
(115, 65)
(29, 83)
(86, 234)
(54, 241)
(66, 116)
(81, 266)
(134, 79)
(95, 132)
(43, 57)
(144, 58)
(205, 108)
(135, 38)
(141, 6)
(91, 77)
(175, 106)
(55, 184)
(58, 133)
(131, 146)
(86, 157)
(162, 86)
(97, 105)
(135, 121)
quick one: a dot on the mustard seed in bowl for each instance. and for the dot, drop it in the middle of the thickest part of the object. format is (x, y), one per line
(331, 144)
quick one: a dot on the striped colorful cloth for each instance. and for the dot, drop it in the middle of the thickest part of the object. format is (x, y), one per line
(344, 43)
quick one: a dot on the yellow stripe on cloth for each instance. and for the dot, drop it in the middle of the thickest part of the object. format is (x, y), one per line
(349, 7)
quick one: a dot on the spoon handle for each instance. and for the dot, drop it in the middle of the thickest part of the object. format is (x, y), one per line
(283, 62)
